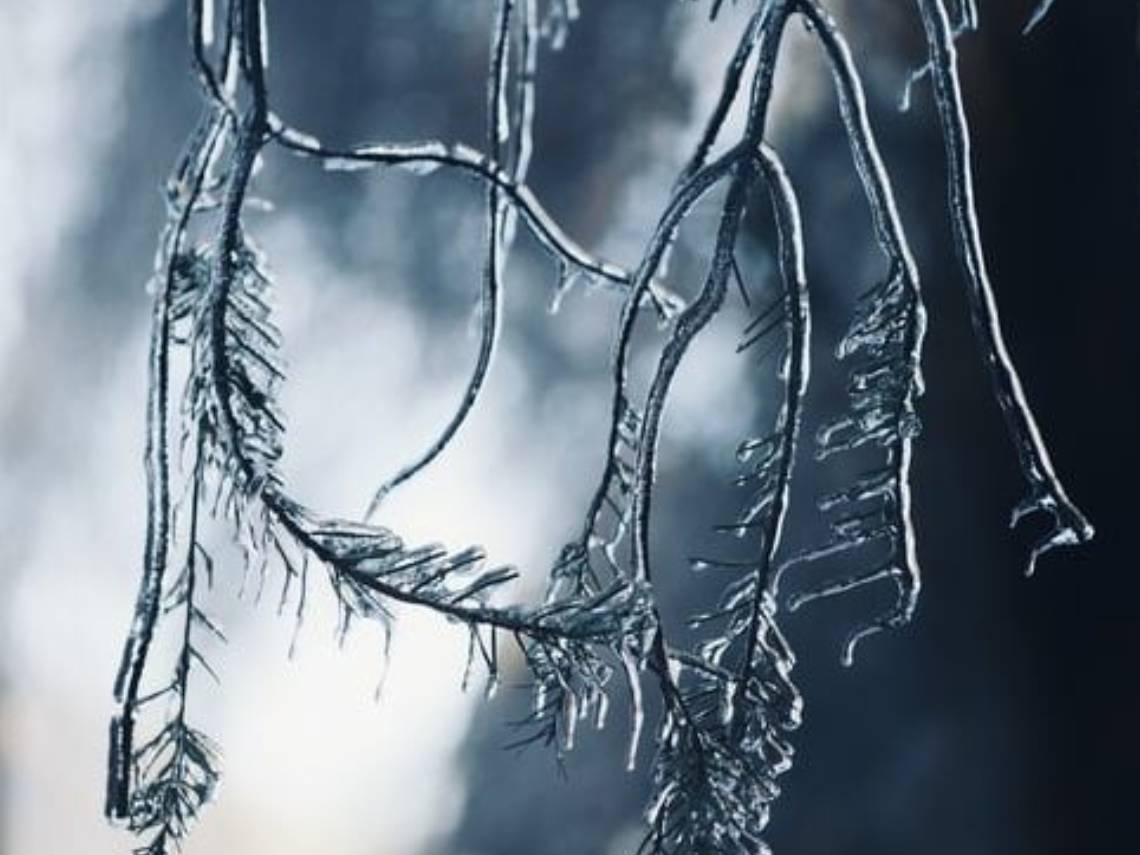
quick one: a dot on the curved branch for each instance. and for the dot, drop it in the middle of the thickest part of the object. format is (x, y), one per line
(490, 300)
(1046, 494)
(892, 239)
(465, 159)
(797, 329)
(265, 486)
(728, 92)
(196, 162)
(704, 308)
(693, 748)
(684, 199)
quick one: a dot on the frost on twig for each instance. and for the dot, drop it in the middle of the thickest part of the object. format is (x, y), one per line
(729, 703)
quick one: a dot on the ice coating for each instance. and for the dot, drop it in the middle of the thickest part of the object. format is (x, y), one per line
(729, 703)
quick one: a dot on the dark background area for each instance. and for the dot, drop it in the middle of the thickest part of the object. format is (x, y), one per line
(1004, 719)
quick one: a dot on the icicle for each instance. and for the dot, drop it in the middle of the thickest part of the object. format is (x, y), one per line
(1038, 16)
(468, 664)
(567, 277)
(637, 712)
(704, 565)
(661, 798)
(570, 718)
(556, 27)
(601, 710)
(766, 447)
(727, 707)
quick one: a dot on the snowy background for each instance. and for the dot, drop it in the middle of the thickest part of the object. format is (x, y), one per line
(1002, 721)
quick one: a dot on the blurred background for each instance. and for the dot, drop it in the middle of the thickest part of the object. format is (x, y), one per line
(1004, 720)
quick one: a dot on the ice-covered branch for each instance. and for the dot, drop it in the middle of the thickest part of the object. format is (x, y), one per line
(1069, 525)
(499, 132)
(425, 156)
(185, 189)
(724, 744)
(886, 340)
